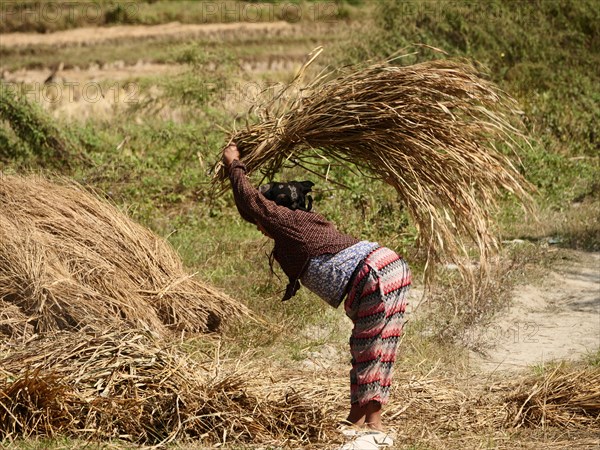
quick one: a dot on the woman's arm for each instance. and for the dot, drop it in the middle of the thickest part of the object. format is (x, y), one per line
(231, 154)
(251, 205)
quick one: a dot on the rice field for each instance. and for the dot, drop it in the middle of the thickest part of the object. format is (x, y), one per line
(138, 311)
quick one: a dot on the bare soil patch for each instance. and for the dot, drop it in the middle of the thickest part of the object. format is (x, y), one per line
(96, 35)
(555, 318)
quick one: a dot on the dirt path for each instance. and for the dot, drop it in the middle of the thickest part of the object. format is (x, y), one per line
(96, 35)
(557, 318)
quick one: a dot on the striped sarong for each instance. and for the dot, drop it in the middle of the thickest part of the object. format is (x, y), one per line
(376, 303)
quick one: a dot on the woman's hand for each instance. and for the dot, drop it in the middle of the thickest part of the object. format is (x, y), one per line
(230, 154)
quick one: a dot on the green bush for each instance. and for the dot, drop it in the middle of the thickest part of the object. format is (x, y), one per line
(40, 139)
(544, 53)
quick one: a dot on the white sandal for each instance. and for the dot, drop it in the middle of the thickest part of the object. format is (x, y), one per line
(366, 440)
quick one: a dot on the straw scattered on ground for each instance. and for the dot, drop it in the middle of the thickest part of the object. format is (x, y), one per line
(132, 387)
(438, 132)
(69, 260)
(560, 399)
(137, 388)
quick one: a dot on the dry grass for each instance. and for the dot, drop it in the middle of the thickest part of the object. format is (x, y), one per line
(560, 399)
(70, 260)
(130, 386)
(430, 130)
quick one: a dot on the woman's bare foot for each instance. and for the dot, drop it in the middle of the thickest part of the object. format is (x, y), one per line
(368, 415)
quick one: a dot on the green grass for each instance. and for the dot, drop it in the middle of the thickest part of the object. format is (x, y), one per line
(65, 443)
(32, 135)
(593, 358)
(158, 170)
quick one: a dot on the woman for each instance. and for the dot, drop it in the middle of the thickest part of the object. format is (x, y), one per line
(372, 281)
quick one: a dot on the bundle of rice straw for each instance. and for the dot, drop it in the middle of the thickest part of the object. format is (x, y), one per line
(430, 130)
(69, 260)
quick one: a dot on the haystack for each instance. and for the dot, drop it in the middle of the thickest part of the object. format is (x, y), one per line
(70, 260)
(438, 132)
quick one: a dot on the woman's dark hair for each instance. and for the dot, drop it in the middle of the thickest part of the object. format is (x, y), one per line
(292, 195)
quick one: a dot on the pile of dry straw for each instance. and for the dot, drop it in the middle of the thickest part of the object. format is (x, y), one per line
(70, 260)
(133, 387)
(432, 130)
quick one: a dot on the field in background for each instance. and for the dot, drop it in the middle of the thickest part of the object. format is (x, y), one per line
(146, 101)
